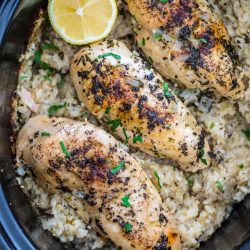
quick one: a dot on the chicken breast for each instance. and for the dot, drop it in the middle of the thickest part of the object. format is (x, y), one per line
(137, 105)
(188, 44)
(84, 160)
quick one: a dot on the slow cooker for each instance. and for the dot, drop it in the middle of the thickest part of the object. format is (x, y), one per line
(19, 226)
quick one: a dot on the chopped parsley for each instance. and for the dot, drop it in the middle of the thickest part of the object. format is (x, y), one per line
(219, 186)
(126, 135)
(203, 40)
(23, 76)
(85, 114)
(241, 166)
(61, 83)
(117, 57)
(190, 181)
(150, 60)
(49, 46)
(125, 201)
(45, 134)
(204, 161)
(64, 149)
(39, 62)
(166, 92)
(211, 126)
(54, 108)
(143, 42)
(127, 227)
(247, 133)
(137, 138)
(107, 111)
(157, 36)
(114, 124)
(177, 91)
(158, 179)
(117, 168)
(48, 75)
(38, 56)
(201, 154)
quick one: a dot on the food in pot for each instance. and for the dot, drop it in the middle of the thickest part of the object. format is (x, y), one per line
(118, 198)
(188, 43)
(148, 116)
(198, 202)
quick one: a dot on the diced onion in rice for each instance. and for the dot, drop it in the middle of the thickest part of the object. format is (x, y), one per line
(205, 104)
(28, 100)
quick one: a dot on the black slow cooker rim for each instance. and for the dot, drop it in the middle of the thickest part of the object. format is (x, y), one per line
(11, 234)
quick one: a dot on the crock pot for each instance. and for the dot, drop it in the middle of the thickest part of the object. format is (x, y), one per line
(19, 226)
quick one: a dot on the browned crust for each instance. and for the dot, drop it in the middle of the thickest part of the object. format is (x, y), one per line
(39, 18)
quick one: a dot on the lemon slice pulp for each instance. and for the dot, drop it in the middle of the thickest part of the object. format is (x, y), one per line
(82, 21)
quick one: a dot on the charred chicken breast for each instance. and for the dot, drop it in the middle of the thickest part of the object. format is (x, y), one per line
(120, 200)
(137, 105)
(188, 44)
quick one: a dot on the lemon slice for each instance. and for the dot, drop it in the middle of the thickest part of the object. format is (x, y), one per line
(82, 21)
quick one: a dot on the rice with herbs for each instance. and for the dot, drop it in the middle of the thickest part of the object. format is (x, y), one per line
(199, 202)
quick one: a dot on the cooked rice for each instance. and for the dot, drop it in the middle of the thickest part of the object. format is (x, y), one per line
(199, 202)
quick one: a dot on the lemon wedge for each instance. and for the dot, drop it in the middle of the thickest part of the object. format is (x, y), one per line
(82, 21)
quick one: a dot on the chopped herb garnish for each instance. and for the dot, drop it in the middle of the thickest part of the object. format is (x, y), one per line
(143, 41)
(203, 40)
(247, 133)
(53, 109)
(127, 227)
(107, 111)
(150, 60)
(177, 91)
(85, 114)
(46, 134)
(166, 90)
(23, 76)
(64, 149)
(61, 83)
(137, 138)
(201, 154)
(39, 62)
(126, 135)
(158, 179)
(190, 181)
(241, 166)
(211, 126)
(48, 75)
(157, 36)
(125, 201)
(117, 168)
(114, 124)
(204, 161)
(117, 57)
(49, 46)
(219, 186)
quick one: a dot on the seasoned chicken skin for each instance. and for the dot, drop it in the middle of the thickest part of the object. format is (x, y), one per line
(137, 105)
(119, 198)
(188, 44)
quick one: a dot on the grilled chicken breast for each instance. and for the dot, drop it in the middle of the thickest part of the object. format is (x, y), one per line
(80, 158)
(188, 44)
(137, 105)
